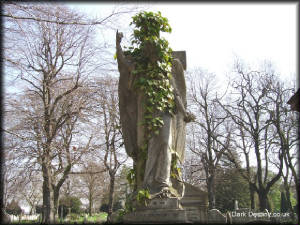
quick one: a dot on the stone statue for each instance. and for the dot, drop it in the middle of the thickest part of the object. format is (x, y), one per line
(169, 143)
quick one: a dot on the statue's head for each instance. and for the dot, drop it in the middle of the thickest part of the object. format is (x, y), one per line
(149, 25)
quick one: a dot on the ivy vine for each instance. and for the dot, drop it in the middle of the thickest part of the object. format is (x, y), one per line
(153, 58)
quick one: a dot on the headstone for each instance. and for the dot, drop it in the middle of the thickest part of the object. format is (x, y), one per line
(236, 205)
(215, 216)
(85, 220)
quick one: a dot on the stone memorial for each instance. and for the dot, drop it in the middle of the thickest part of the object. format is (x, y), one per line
(160, 195)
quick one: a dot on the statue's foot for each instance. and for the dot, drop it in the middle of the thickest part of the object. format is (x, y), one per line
(163, 192)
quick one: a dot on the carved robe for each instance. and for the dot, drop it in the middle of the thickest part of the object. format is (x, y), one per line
(170, 140)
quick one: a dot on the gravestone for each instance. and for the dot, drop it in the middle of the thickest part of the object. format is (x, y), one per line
(216, 217)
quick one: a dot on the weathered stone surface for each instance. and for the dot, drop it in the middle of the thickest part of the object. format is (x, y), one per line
(215, 216)
(181, 55)
(194, 197)
(196, 215)
(163, 203)
(159, 216)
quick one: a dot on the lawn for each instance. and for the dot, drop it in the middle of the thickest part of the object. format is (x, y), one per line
(96, 218)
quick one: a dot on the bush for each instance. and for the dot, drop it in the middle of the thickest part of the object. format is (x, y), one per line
(71, 202)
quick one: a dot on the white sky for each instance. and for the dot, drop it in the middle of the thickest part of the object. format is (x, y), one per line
(212, 34)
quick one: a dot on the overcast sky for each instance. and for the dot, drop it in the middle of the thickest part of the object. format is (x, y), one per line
(213, 34)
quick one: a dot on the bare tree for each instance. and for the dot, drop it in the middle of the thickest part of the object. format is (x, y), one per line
(32, 191)
(93, 183)
(52, 60)
(210, 126)
(244, 144)
(192, 169)
(285, 137)
(27, 11)
(249, 111)
(109, 131)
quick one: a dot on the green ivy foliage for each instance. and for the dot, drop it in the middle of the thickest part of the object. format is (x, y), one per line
(142, 196)
(131, 177)
(175, 170)
(153, 58)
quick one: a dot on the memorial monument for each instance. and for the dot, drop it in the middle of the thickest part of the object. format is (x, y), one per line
(153, 113)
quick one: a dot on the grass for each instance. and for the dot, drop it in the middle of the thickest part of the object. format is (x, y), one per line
(96, 218)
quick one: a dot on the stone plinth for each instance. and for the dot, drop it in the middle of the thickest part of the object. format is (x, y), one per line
(157, 216)
(191, 208)
(216, 217)
(195, 202)
(158, 210)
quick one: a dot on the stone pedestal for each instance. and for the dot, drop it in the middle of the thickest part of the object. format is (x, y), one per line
(159, 216)
(158, 210)
(195, 203)
(191, 208)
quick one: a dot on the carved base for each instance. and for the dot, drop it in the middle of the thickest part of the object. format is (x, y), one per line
(190, 208)
(166, 211)
(157, 216)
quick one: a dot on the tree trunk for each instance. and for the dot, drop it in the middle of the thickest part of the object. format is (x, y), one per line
(90, 204)
(252, 199)
(48, 215)
(263, 200)
(296, 180)
(55, 204)
(47, 203)
(211, 192)
(288, 194)
(111, 198)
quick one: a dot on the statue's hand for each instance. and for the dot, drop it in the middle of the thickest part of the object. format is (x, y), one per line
(119, 37)
(189, 117)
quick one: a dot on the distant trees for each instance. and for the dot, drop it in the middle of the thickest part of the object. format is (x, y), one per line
(210, 128)
(286, 138)
(109, 130)
(49, 49)
(231, 186)
(254, 110)
(250, 119)
(93, 183)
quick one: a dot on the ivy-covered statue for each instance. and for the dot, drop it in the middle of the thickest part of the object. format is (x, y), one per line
(152, 102)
